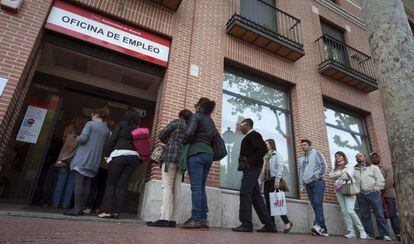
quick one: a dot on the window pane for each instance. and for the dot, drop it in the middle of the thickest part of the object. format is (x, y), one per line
(251, 89)
(272, 124)
(350, 144)
(344, 120)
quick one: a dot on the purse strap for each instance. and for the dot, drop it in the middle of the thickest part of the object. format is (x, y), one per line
(349, 178)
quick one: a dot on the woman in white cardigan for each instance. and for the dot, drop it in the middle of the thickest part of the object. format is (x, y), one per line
(342, 171)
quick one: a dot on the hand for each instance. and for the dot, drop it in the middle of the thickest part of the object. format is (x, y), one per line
(303, 189)
(276, 185)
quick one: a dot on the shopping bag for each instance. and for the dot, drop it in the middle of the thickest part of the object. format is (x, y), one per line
(277, 203)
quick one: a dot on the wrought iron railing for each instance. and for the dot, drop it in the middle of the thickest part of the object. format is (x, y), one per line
(332, 50)
(268, 19)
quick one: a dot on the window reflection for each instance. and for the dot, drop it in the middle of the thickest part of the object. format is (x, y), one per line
(271, 121)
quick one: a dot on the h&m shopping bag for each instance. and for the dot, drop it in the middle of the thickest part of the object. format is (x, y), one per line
(277, 203)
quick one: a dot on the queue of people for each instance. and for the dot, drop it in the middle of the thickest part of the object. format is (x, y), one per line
(190, 144)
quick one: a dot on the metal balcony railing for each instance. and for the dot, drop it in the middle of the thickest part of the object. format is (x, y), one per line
(265, 20)
(333, 51)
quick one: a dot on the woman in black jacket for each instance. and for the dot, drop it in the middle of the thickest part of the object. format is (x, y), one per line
(123, 160)
(200, 134)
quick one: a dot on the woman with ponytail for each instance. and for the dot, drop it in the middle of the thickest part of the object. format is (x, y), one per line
(123, 160)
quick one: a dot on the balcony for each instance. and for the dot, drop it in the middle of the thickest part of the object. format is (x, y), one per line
(346, 64)
(170, 4)
(267, 27)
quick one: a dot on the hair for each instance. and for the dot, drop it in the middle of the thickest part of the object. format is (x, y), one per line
(306, 141)
(78, 124)
(206, 105)
(248, 121)
(132, 117)
(102, 113)
(271, 143)
(185, 114)
(345, 159)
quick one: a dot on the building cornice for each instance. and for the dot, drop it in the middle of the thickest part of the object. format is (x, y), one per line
(342, 12)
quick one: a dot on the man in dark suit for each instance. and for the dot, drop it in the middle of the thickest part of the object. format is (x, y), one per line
(253, 148)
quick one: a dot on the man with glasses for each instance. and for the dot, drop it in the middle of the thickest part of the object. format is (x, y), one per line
(253, 148)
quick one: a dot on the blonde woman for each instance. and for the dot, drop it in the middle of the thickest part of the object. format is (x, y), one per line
(341, 172)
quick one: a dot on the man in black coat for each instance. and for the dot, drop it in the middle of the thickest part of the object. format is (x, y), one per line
(253, 148)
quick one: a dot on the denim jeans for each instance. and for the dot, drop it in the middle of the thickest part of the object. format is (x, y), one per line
(393, 214)
(315, 191)
(198, 168)
(64, 186)
(366, 201)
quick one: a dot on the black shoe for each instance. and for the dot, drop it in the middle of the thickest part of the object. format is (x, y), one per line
(242, 228)
(267, 229)
(72, 213)
(159, 223)
(288, 229)
(172, 224)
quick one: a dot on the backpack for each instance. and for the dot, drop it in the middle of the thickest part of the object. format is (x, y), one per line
(142, 142)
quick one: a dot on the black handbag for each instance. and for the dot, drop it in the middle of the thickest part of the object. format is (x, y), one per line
(243, 163)
(219, 148)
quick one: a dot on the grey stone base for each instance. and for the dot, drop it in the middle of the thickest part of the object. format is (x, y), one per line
(224, 209)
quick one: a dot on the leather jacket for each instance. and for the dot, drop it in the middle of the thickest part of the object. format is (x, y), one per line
(200, 128)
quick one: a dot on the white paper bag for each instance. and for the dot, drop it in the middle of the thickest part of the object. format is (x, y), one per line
(277, 203)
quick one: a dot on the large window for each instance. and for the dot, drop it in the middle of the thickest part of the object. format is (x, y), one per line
(346, 133)
(269, 108)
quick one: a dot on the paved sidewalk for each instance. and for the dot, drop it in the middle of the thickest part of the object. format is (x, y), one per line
(36, 230)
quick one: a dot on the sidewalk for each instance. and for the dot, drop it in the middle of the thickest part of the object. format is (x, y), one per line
(23, 229)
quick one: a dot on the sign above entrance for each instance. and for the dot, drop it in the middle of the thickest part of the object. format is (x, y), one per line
(85, 25)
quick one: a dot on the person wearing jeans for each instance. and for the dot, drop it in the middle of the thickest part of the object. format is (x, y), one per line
(172, 135)
(200, 134)
(313, 168)
(123, 160)
(388, 193)
(343, 171)
(64, 188)
(371, 182)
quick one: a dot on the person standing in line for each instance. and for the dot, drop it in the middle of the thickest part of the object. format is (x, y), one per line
(123, 160)
(388, 193)
(313, 169)
(87, 159)
(200, 134)
(62, 195)
(342, 171)
(252, 151)
(172, 136)
(271, 174)
(372, 182)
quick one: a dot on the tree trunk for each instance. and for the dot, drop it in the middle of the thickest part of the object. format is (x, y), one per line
(392, 47)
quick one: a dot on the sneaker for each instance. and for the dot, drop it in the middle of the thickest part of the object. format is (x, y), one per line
(387, 238)
(350, 235)
(363, 235)
(324, 232)
(194, 224)
(204, 223)
(87, 211)
(316, 230)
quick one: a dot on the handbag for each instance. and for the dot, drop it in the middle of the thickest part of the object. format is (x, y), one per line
(219, 148)
(65, 161)
(243, 163)
(283, 186)
(157, 153)
(278, 205)
(350, 187)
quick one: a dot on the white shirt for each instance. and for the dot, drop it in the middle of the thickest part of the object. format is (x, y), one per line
(249, 131)
(117, 153)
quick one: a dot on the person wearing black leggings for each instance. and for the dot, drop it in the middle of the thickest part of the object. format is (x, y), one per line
(123, 160)
(85, 163)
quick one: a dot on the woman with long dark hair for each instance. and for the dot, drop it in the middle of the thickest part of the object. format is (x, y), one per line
(271, 175)
(200, 134)
(85, 163)
(342, 171)
(123, 160)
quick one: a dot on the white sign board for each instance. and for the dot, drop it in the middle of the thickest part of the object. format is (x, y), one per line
(32, 124)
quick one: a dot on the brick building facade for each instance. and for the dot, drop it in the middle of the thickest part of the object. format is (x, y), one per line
(203, 48)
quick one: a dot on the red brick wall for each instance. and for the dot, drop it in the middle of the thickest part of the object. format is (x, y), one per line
(198, 37)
